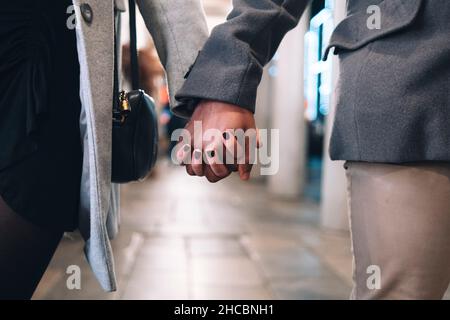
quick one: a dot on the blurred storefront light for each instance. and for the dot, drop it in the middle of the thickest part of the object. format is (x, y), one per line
(318, 73)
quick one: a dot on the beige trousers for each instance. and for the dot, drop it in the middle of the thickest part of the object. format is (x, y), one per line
(400, 223)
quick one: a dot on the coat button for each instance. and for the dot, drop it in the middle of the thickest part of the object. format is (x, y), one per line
(86, 12)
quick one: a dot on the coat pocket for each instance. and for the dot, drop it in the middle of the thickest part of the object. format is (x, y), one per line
(354, 33)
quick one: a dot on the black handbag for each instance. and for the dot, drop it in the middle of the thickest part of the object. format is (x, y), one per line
(135, 125)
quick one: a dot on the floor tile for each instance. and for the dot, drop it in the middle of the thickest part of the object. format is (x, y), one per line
(183, 238)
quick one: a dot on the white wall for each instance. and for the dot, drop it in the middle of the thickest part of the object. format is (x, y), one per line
(334, 185)
(287, 114)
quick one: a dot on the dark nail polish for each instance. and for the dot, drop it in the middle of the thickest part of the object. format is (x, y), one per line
(226, 135)
(197, 155)
(211, 153)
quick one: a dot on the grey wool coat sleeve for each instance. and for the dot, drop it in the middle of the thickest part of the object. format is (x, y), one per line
(229, 67)
(177, 44)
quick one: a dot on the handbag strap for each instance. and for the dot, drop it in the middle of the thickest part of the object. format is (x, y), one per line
(133, 46)
(133, 53)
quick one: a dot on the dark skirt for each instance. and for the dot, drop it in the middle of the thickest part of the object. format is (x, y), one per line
(40, 146)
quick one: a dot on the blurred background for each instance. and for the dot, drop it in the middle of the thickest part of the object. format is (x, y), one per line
(276, 237)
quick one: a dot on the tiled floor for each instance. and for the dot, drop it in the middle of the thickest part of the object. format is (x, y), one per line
(182, 238)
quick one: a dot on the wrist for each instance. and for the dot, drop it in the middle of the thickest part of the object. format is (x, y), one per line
(221, 106)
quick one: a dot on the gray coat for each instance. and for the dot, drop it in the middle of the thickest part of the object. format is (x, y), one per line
(179, 29)
(393, 94)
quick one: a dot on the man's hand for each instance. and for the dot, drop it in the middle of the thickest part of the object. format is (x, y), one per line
(204, 154)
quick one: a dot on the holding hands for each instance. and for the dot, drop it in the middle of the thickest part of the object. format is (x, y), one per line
(221, 138)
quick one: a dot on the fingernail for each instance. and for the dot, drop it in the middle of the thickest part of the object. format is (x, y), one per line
(226, 135)
(187, 148)
(197, 154)
(210, 153)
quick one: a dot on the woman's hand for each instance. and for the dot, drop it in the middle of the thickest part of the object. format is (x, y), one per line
(216, 157)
